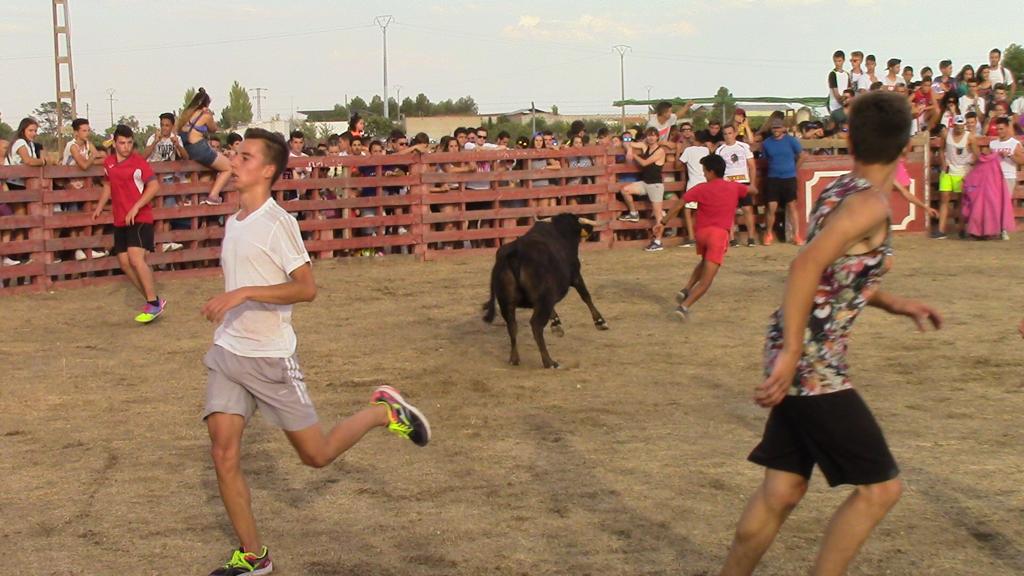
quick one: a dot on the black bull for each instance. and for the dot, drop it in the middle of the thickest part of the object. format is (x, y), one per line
(536, 271)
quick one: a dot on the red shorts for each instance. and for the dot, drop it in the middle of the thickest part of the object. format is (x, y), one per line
(712, 243)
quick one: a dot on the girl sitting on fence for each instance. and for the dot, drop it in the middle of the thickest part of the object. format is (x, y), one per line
(194, 126)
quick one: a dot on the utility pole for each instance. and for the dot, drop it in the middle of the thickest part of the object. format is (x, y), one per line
(398, 101)
(622, 49)
(533, 121)
(65, 84)
(259, 101)
(110, 97)
(383, 22)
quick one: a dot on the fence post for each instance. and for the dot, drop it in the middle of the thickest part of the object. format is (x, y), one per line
(418, 208)
(42, 233)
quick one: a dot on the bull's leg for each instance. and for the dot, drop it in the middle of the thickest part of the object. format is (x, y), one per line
(581, 288)
(556, 324)
(510, 323)
(541, 315)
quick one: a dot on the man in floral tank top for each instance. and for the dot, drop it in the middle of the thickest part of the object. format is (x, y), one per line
(816, 415)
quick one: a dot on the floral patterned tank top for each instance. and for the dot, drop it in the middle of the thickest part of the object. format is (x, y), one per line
(843, 291)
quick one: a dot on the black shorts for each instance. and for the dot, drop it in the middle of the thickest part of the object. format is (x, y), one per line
(835, 431)
(780, 190)
(135, 236)
(746, 201)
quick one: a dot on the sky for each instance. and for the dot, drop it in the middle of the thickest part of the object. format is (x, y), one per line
(311, 54)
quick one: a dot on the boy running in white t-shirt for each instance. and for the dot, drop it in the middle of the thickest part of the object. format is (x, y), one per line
(253, 363)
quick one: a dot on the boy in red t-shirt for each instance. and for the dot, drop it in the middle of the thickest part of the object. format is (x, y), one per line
(716, 203)
(132, 185)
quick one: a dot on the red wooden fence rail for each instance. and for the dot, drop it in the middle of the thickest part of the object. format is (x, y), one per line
(388, 204)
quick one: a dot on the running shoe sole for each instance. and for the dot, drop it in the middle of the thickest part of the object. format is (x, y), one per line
(412, 409)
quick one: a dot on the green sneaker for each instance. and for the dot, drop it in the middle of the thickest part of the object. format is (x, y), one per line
(150, 312)
(244, 563)
(404, 419)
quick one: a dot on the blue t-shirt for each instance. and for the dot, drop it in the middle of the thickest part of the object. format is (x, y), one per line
(782, 156)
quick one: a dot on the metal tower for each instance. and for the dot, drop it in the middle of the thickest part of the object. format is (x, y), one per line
(65, 75)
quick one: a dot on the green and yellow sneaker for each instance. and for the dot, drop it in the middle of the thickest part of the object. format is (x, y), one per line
(244, 563)
(404, 419)
(150, 312)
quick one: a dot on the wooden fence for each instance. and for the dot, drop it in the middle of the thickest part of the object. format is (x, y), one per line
(422, 205)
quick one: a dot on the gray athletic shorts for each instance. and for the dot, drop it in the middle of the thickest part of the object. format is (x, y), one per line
(656, 192)
(239, 384)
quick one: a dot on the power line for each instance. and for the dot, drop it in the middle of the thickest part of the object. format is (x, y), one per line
(196, 44)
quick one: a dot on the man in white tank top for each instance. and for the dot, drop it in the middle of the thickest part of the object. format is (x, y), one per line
(82, 153)
(1011, 153)
(961, 150)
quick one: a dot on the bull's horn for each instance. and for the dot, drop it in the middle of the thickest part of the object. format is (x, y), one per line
(588, 222)
(542, 219)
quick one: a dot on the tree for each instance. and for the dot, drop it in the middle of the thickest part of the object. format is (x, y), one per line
(359, 105)
(46, 114)
(408, 107)
(377, 105)
(724, 106)
(379, 126)
(6, 132)
(393, 109)
(1013, 58)
(423, 105)
(465, 105)
(554, 110)
(239, 108)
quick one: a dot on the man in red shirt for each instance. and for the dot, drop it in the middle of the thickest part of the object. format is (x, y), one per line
(132, 185)
(716, 200)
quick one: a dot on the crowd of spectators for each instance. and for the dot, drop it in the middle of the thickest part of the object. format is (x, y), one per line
(954, 109)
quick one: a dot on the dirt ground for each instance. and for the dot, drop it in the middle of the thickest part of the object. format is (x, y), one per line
(629, 462)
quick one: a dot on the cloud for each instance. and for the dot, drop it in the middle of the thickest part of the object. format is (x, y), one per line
(591, 27)
(586, 27)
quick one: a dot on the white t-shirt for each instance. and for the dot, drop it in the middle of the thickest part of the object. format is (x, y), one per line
(691, 158)
(261, 250)
(1017, 106)
(736, 157)
(14, 159)
(69, 160)
(976, 105)
(663, 128)
(165, 150)
(840, 80)
(1000, 75)
(299, 173)
(1006, 161)
(864, 82)
(480, 166)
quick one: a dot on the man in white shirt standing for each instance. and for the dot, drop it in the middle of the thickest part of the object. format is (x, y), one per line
(253, 362)
(998, 73)
(892, 77)
(694, 174)
(856, 73)
(1011, 153)
(959, 152)
(740, 167)
(869, 77)
(838, 81)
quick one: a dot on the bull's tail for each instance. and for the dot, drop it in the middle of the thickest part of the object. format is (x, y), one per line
(488, 306)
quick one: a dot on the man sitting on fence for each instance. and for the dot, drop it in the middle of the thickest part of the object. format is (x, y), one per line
(131, 184)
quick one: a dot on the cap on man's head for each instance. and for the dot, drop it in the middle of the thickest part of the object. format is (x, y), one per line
(894, 62)
(959, 120)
